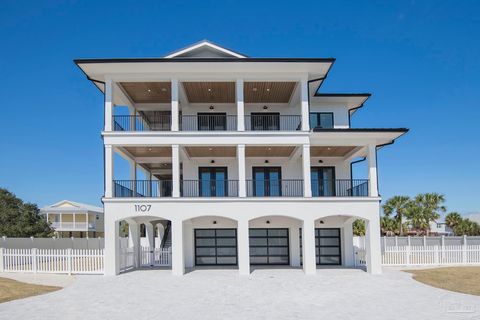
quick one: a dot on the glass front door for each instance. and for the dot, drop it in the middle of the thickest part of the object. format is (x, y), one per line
(213, 181)
(323, 181)
(267, 181)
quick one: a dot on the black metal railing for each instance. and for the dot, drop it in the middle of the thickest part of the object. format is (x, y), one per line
(142, 188)
(208, 122)
(269, 122)
(275, 188)
(209, 188)
(140, 123)
(340, 188)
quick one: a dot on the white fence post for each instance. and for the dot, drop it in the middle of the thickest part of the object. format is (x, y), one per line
(443, 249)
(2, 268)
(424, 241)
(34, 259)
(408, 251)
(436, 255)
(69, 260)
(464, 250)
(396, 241)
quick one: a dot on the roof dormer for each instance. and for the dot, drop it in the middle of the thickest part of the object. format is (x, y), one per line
(205, 49)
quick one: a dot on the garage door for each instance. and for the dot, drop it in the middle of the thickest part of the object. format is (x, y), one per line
(269, 247)
(327, 246)
(215, 247)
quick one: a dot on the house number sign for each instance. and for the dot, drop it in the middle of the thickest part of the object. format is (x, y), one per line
(143, 207)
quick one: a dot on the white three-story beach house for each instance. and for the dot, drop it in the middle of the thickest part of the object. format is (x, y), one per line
(242, 161)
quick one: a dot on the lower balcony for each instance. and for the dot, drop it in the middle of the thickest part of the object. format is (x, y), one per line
(230, 188)
(72, 226)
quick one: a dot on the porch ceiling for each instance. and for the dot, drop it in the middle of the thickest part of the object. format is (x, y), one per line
(148, 92)
(330, 151)
(150, 151)
(279, 151)
(212, 152)
(210, 92)
(268, 92)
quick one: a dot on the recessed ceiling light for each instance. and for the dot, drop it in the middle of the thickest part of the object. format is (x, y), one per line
(254, 89)
(164, 89)
(210, 149)
(268, 89)
(269, 149)
(149, 90)
(209, 89)
(149, 149)
(329, 148)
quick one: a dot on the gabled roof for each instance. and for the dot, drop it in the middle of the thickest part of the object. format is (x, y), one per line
(204, 45)
(67, 205)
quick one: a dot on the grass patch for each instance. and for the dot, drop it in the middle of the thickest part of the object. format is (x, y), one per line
(12, 289)
(458, 279)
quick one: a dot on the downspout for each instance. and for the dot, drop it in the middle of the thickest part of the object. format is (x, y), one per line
(350, 114)
(308, 88)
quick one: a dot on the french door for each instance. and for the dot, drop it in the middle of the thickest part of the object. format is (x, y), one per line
(213, 181)
(323, 181)
(212, 121)
(267, 181)
(265, 121)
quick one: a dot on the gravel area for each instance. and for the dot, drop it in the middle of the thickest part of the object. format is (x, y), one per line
(265, 294)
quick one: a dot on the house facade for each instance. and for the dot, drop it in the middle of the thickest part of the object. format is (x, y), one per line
(73, 219)
(238, 161)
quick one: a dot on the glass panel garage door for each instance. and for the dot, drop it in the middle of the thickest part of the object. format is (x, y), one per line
(327, 246)
(215, 247)
(269, 247)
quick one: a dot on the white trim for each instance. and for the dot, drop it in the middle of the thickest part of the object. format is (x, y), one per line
(201, 44)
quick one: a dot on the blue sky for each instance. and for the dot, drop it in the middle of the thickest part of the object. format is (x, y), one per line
(420, 59)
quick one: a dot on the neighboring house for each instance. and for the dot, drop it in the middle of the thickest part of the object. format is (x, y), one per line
(440, 229)
(73, 219)
(246, 162)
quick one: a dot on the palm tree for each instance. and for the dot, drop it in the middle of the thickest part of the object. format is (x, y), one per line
(453, 219)
(399, 206)
(388, 225)
(424, 209)
(359, 227)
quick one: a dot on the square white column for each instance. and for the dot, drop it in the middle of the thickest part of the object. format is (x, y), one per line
(150, 234)
(240, 106)
(178, 258)
(112, 247)
(242, 183)
(372, 170)
(294, 235)
(108, 105)
(243, 247)
(304, 103)
(175, 171)
(108, 171)
(307, 184)
(347, 239)
(134, 241)
(373, 246)
(175, 105)
(308, 247)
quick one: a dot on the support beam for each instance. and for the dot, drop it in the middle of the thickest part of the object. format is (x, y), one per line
(243, 247)
(175, 105)
(373, 246)
(305, 107)
(372, 170)
(308, 247)
(108, 171)
(178, 258)
(307, 185)
(240, 106)
(112, 247)
(175, 171)
(109, 84)
(242, 183)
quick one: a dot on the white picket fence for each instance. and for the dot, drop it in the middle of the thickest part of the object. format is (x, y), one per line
(68, 261)
(416, 251)
(161, 257)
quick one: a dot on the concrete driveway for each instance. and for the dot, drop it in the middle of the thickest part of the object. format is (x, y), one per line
(265, 294)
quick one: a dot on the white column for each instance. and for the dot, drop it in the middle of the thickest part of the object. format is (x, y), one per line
(175, 107)
(308, 247)
(133, 175)
(74, 222)
(307, 185)
(134, 240)
(108, 171)
(304, 100)
(178, 258)
(242, 183)
(86, 222)
(240, 106)
(112, 246)
(243, 247)
(150, 234)
(175, 171)
(372, 170)
(188, 244)
(294, 233)
(373, 246)
(160, 233)
(108, 104)
(348, 259)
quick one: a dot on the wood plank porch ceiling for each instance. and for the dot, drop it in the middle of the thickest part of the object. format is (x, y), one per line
(330, 151)
(148, 92)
